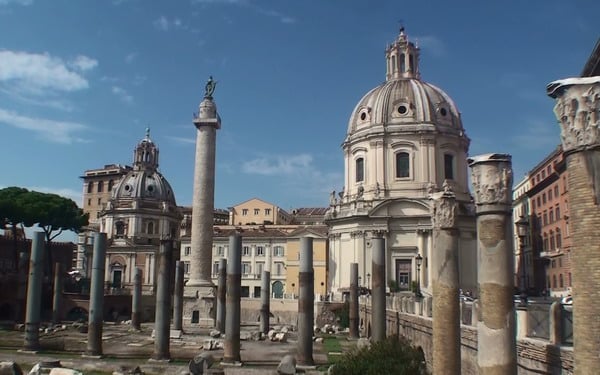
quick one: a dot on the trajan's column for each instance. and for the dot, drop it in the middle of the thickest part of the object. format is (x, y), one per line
(199, 291)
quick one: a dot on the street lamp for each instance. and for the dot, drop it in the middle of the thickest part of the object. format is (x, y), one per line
(419, 261)
(522, 228)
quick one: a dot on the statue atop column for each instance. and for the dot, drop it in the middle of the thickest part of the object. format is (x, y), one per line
(209, 89)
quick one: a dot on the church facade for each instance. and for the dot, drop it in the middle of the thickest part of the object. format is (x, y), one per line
(405, 141)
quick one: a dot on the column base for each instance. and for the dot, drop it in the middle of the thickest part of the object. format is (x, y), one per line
(199, 308)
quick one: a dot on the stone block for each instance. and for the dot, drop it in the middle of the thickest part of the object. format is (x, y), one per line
(287, 365)
(201, 363)
(10, 368)
(215, 333)
(281, 337)
(64, 371)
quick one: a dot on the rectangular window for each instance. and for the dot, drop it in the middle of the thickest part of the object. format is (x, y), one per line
(220, 251)
(89, 201)
(553, 263)
(556, 191)
(557, 210)
(215, 269)
(551, 216)
(246, 251)
(260, 251)
(278, 251)
(188, 250)
(246, 268)
(545, 222)
(278, 268)
(360, 170)
(186, 267)
(100, 186)
(256, 211)
(259, 269)
(402, 165)
(549, 194)
(99, 201)
(267, 211)
(543, 174)
(544, 198)
(403, 273)
(448, 167)
(539, 201)
(245, 212)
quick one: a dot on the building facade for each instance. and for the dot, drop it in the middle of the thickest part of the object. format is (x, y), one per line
(256, 211)
(404, 141)
(524, 270)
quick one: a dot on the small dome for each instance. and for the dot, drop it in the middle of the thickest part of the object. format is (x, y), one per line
(405, 101)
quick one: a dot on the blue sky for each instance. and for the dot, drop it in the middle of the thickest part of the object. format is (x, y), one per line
(81, 80)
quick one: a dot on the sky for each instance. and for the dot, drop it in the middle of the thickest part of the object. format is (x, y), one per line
(81, 80)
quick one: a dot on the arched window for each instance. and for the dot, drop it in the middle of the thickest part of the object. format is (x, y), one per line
(545, 246)
(90, 187)
(360, 170)
(100, 186)
(558, 238)
(552, 243)
(393, 63)
(448, 167)
(402, 165)
(402, 63)
(411, 64)
(560, 281)
(111, 183)
(150, 227)
(120, 226)
(553, 281)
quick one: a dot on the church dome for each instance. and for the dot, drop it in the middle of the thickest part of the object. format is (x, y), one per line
(404, 99)
(144, 181)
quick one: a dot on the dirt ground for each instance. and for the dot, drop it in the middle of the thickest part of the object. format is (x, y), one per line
(122, 346)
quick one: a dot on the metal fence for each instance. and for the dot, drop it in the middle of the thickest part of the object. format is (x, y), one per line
(538, 320)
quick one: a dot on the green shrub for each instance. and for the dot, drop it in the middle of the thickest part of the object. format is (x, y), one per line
(394, 355)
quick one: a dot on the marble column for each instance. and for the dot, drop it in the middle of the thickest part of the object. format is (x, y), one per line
(491, 175)
(199, 290)
(265, 301)
(136, 300)
(378, 308)
(578, 112)
(163, 301)
(58, 290)
(178, 296)
(306, 297)
(34, 293)
(444, 263)
(221, 295)
(353, 313)
(234, 287)
(96, 314)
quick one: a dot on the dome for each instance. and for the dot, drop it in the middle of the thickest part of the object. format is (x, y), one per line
(144, 181)
(404, 99)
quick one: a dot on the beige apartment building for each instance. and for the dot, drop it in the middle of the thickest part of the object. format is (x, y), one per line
(97, 188)
(256, 211)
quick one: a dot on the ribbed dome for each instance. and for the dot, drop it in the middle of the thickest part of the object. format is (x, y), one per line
(405, 101)
(144, 181)
(144, 184)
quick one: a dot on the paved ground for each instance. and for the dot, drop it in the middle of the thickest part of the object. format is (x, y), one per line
(123, 347)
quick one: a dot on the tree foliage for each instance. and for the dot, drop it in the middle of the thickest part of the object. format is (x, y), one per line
(51, 212)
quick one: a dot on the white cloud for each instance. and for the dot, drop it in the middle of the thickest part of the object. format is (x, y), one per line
(131, 57)
(277, 165)
(432, 45)
(84, 63)
(19, 2)
(275, 14)
(183, 140)
(48, 130)
(39, 74)
(162, 23)
(122, 94)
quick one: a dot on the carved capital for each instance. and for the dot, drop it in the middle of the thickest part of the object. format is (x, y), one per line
(577, 110)
(491, 175)
(378, 233)
(444, 209)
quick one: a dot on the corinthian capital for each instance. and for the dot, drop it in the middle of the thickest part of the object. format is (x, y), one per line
(491, 175)
(444, 208)
(577, 110)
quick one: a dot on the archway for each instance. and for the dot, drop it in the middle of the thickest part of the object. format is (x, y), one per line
(277, 289)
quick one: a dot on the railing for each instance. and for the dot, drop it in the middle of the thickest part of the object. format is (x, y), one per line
(538, 320)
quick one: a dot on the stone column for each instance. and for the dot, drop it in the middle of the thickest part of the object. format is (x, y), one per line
(265, 301)
(444, 263)
(221, 295)
(96, 314)
(199, 290)
(57, 296)
(491, 175)
(378, 316)
(578, 112)
(306, 297)
(34, 293)
(178, 296)
(354, 320)
(234, 286)
(136, 300)
(163, 301)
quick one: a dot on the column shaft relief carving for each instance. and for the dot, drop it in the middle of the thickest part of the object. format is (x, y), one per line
(577, 110)
(491, 175)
